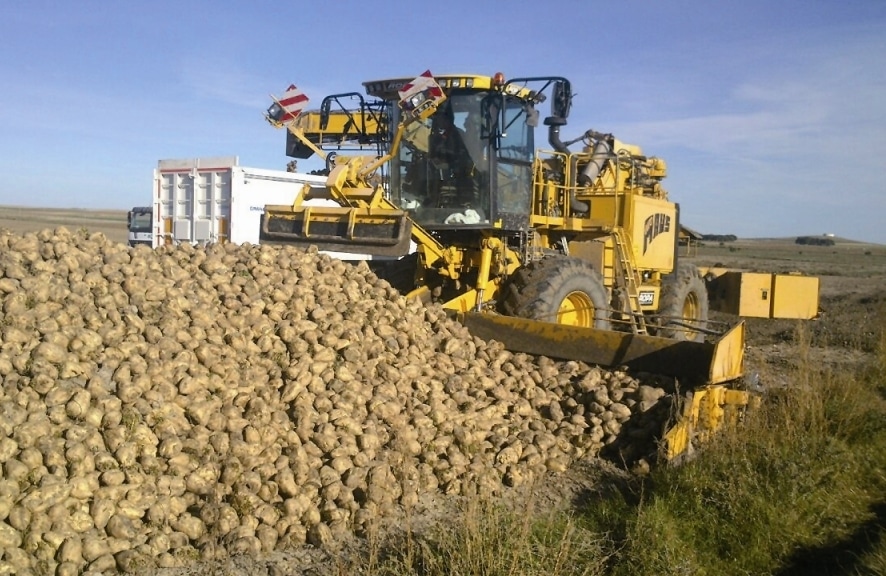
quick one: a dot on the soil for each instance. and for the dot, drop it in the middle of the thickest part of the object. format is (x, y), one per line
(846, 335)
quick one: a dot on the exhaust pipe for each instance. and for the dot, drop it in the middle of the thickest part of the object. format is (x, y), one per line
(554, 123)
(602, 152)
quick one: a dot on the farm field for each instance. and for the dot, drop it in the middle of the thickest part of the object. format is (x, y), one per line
(846, 336)
(111, 223)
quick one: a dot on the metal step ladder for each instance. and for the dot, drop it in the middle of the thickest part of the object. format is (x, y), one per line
(627, 280)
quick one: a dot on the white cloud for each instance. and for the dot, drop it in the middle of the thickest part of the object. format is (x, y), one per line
(782, 146)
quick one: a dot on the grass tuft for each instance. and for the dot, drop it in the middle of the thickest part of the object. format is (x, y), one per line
(487, 537)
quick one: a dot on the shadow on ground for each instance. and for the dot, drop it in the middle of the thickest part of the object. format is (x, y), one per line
(843, 557)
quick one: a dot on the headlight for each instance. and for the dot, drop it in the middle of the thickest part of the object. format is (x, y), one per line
(275, 112)
(416, 100)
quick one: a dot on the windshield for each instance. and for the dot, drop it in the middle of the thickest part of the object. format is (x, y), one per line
(448, 174)
(441, 174)
(140, 221)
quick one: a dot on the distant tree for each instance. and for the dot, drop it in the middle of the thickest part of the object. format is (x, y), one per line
(815, 241)
(719, 237)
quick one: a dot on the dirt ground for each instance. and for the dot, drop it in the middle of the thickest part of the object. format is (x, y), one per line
(844, 336)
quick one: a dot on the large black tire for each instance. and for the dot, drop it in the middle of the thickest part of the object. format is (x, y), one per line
(684, 300)
(558, 289)
(399, 273)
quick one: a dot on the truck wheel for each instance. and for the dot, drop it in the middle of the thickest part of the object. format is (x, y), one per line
(563, 290)
(684, 300)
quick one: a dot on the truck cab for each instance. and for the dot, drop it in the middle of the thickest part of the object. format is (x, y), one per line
(139, 222)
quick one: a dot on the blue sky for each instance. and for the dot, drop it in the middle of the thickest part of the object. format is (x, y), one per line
(771, 114)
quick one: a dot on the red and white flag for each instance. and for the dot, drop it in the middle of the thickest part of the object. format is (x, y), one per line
(423, 82)
(293, 102)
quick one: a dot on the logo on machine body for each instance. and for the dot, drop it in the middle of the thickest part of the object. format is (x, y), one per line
(394, 85)
(655, 225)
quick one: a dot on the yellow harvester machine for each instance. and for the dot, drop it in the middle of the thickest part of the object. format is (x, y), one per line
(571, 253)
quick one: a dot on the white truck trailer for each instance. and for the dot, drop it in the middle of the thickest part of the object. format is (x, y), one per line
(208, 200)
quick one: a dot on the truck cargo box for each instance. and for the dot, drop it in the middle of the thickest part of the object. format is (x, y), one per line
(207, 200)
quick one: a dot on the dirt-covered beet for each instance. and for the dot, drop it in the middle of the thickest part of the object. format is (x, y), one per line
(160, 406)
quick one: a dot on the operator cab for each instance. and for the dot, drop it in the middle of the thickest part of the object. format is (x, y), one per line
(469, 165)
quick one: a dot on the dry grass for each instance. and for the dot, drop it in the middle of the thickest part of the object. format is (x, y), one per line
(490, 538)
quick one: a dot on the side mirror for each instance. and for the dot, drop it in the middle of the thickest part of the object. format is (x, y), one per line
(561, 100)
(531, 116)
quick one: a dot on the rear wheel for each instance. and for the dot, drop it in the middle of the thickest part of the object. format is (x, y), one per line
(558, 289)
(684, 304)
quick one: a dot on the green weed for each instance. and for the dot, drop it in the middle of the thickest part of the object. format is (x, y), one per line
(799, 477)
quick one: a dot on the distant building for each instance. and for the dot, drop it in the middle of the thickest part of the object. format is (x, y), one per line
(689, 238)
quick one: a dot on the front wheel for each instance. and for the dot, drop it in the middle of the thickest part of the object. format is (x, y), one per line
(684, 305)
(558, 289)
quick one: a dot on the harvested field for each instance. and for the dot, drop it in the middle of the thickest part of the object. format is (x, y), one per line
(111, 223)
(185, 411)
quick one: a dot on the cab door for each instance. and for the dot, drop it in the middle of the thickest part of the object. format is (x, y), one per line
(511, 177)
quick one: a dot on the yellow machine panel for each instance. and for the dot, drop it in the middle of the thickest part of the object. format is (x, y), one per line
(744, 294)
(653, 228)
(795, 296)
(603, 207)
(761, 295)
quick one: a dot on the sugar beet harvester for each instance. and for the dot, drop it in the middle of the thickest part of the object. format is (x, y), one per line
(570, 254)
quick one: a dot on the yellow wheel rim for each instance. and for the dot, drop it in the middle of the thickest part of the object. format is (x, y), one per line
(576, 310)
(691, 311)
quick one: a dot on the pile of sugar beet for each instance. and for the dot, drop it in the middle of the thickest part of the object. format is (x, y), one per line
(162, 406)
